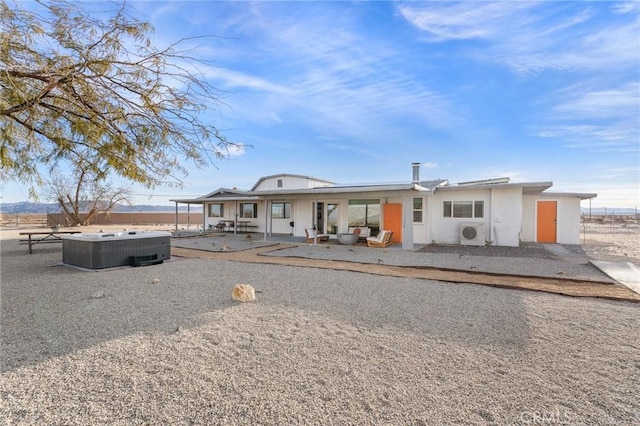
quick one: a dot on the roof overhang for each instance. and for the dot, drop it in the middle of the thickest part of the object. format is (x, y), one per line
(528, 188)
(203, 200)
(580, 195)
(356, 189)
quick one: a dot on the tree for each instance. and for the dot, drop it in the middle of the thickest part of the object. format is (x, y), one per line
(72, 84)
(85, 194)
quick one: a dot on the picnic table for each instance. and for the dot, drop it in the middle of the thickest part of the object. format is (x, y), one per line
(43, 237)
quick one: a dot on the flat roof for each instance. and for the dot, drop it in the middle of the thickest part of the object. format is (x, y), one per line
(527, 187)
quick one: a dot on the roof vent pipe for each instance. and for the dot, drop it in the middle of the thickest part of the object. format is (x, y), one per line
(416, 172)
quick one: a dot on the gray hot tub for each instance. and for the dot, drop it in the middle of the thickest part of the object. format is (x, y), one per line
(108, 249)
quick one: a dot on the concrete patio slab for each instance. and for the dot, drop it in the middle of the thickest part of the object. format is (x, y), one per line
(625, 273)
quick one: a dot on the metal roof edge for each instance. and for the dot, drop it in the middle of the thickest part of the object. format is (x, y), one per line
(547, 184)
(581, 195)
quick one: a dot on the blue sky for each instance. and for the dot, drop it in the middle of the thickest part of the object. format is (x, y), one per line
(355, 92)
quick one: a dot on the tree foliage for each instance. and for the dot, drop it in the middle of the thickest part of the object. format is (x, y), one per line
(75, 86)
(84, 194)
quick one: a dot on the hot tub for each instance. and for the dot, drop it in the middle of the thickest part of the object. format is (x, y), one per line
(108, 249)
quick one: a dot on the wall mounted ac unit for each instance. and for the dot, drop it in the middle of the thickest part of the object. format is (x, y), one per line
(472, 234)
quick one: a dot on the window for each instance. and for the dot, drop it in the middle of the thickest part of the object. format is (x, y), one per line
(281, 210)
(463, 209)
(364, 213)
(417, 210)
(279, 183)
(248, 210)
(216, 210)
(478, 209)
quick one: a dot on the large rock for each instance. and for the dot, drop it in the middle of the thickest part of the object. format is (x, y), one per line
(243, 293)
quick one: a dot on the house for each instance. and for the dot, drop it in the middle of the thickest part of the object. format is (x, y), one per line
(492, 211)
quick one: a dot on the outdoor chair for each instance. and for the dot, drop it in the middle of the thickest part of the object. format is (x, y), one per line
(382, 240)
(312, 235)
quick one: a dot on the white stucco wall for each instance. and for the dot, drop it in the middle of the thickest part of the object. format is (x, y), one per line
(447, 230)
(568, 218)
(528, 233)
(420, 234)
(506, 216)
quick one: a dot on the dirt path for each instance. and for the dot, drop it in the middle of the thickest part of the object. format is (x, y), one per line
(568, 287)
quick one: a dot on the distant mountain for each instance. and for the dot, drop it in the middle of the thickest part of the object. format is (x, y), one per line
(26, 207)
(601, 211)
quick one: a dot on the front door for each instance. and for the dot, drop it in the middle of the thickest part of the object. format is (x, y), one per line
(392, 219)
(547, 221)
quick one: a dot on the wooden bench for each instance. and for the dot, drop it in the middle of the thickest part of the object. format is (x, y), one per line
(43, 237)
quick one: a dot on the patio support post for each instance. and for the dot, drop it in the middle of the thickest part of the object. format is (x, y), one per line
(315, 221)
(266, 218)
(176, 216)
(407, 223)
(235, 223)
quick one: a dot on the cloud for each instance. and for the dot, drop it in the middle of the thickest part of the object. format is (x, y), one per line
(623, 7)
(461, 20)
(531, 37)
(234, 79)
(603, 120)
(312, 67)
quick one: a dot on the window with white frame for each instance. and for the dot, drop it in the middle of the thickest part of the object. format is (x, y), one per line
(280, 210)
(417, 210)
(248, 210)
(216, 210)
(463, 209)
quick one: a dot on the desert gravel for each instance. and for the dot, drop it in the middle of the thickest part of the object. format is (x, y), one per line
(166, 345)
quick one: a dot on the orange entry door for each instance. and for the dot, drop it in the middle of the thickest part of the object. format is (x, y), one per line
(392, 220)
(547, 221)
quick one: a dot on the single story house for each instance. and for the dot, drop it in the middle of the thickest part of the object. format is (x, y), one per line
(493, 211)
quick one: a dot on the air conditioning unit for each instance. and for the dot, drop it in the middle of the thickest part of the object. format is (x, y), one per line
(472, 234)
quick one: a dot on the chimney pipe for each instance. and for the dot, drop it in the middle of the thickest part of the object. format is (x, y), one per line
(416, 172)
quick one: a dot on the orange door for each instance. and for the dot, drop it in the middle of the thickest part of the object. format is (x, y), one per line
(547, 220)
(392, 220)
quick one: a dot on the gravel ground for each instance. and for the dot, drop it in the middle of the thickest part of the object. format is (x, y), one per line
(317, 347)
(529, 260)
(612, 242)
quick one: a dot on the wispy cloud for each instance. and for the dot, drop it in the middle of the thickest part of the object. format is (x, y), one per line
(601, 120)
(233, 79)
(599, 104)
(461, 20)
(330, 76)
(535, 36)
